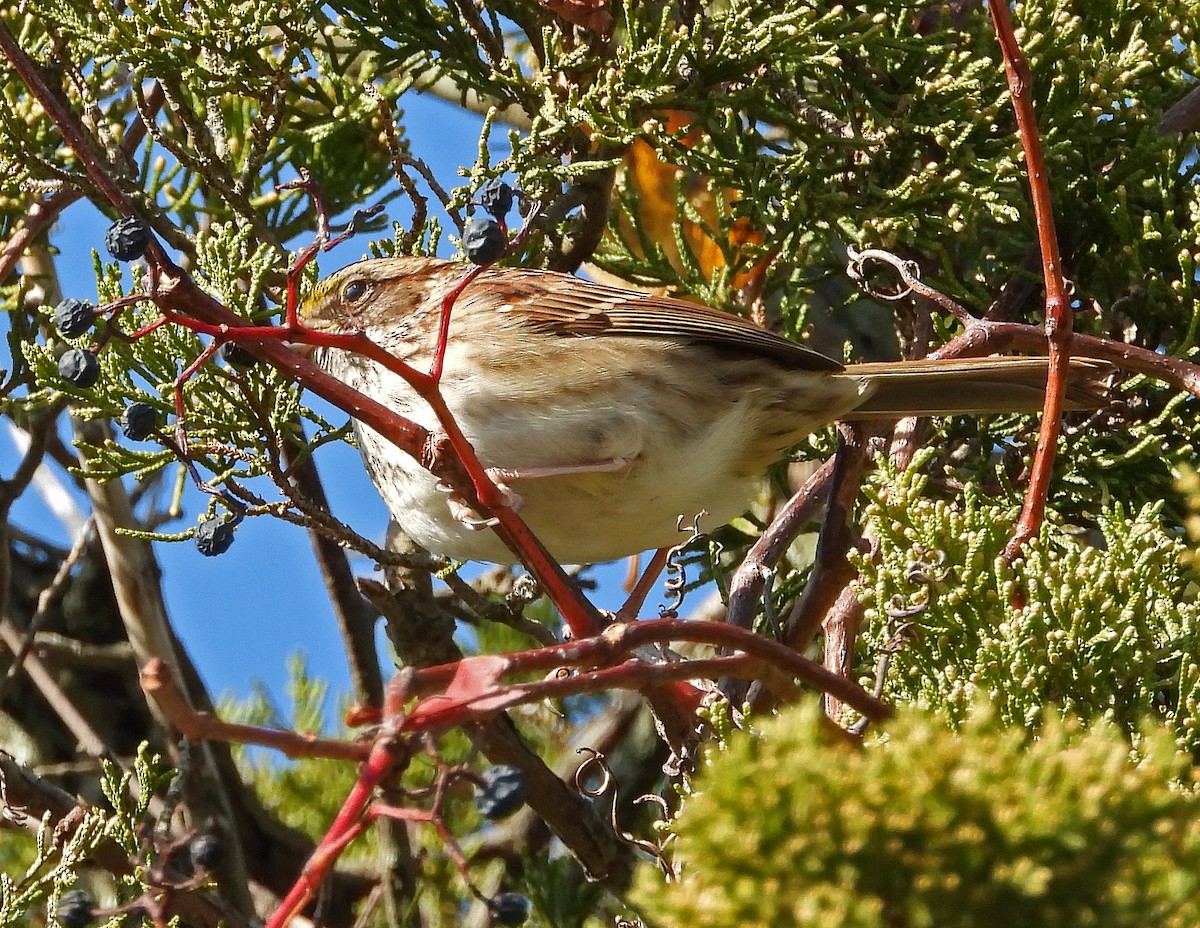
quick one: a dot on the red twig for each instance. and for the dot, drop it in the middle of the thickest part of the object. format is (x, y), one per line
(386, 753)
(643, 586)
(475, 689)
(1058, 312)
(160, 685)
(177, 391)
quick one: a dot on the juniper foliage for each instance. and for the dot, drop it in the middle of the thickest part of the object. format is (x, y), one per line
(730, 152)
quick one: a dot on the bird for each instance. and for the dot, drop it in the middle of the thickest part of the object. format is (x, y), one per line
(610, 414)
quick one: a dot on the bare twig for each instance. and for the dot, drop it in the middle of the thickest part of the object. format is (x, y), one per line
(354, 620)
(840, 626)
(831, 569)
(493, 611)
(746, 586)
(46, 682)
(47, 599)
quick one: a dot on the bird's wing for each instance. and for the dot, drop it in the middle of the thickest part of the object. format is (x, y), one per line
(569, 306)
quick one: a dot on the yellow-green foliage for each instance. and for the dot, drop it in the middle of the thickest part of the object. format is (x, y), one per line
(37, 873)
(926, 826)
(1108, 626)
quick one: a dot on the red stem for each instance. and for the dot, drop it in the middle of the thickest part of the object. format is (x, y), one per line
(1058, 314)
(345, 828)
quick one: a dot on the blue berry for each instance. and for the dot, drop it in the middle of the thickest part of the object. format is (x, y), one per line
(501, 792)
(483, 241)
(236, 356)
(496, 198)
(127, 238)
(509, 909)
(213, 537)
(206, 851)
(138, 421)
(76, 909)
(79, 367)
(73, 317)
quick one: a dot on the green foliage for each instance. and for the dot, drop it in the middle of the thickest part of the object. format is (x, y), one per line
(304, 793)
(891, 127)
(56, 862)
(254, 90)
(251, 94)
(694, 144)
(1106, 624)
(925, 826)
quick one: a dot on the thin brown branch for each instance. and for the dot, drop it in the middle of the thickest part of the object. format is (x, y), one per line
(492, 611)
(644, 585)
(841, 625)
(745, 589)
(354, 619)
(10, 489)
(46, 683)
(514, 839)
(117, 656)
(982, 336)
(831, 569)
(161, 685)
(47, 599)
(986, 337)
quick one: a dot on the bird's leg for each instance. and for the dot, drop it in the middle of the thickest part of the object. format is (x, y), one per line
(511, 475)
(465, 513)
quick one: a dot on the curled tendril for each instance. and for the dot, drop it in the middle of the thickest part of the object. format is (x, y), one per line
(928, 567)
(910, 278)
(900, 608)
(608, 784)
(676, 582)
(856, 270)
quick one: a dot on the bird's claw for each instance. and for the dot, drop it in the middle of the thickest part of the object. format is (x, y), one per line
(466, 514)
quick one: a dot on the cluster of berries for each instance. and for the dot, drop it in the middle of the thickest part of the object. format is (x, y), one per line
(127, 240)
(501, 792)
(484, 241)
(201, 854)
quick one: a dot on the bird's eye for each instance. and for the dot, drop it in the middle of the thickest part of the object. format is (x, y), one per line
(355, 291)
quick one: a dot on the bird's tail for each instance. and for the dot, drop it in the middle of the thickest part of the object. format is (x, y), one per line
(966, 386)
